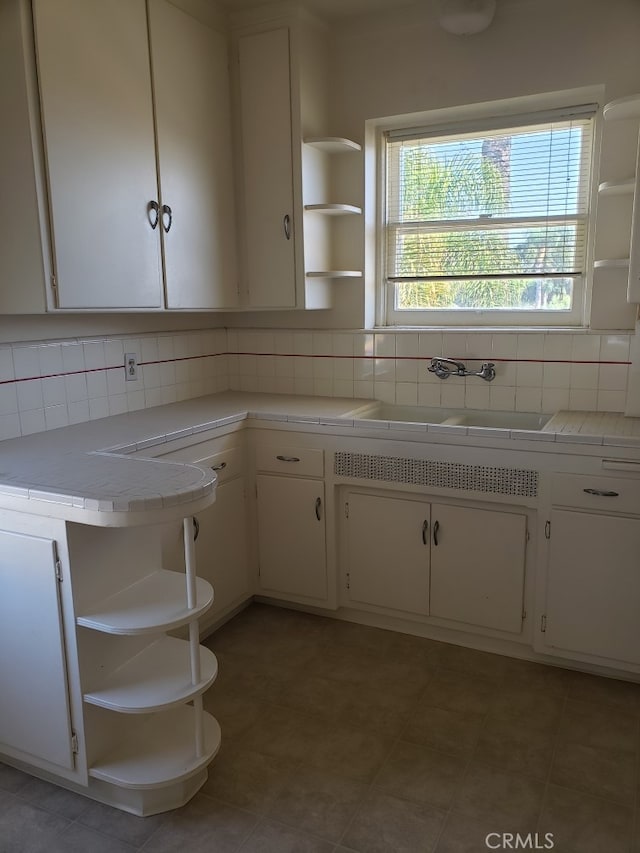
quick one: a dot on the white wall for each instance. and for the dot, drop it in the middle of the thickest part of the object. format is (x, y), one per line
(393, 63)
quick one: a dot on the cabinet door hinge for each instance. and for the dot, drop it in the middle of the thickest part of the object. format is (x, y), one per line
(543, 624)
(57, 563)
(346, 509)
(74, 743)
(547, 530)
(348, 581)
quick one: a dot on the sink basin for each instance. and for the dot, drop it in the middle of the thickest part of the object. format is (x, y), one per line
(457, 417)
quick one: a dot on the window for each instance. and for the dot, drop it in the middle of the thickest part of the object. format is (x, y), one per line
(488, 225)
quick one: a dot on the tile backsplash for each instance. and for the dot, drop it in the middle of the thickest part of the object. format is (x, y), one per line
(44, 385)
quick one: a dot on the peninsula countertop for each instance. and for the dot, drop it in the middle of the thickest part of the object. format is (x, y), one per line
(87, 473)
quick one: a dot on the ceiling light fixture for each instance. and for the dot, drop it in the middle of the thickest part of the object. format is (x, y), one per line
(465, 17)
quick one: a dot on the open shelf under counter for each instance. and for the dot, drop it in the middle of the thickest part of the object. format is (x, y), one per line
(156, 603)
(622, 108)
(333, 144)
(334, 274)
(158, 751)
(334, 209)
(624, 187)
(156, 679)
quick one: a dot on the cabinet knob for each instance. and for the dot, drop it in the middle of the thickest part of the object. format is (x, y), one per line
(319, 508)
(153, 213)
(286, 224)
(166, 211)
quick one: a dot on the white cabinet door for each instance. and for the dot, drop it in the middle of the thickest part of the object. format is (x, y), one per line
(34, 699)
(477, 566)
(593, 586)
(265, 118)
(291, 537)
(192, 99)
(221, 548)
(95, 86)
(388, 552)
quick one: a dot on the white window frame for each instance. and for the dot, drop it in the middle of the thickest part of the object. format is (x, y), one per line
(495, 115)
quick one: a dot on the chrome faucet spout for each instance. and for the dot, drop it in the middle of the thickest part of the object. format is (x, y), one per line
(446, 367)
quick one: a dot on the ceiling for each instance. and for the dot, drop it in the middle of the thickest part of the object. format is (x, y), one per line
(331, 9)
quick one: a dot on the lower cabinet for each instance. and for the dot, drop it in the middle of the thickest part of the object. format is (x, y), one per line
(462, 564)
(593, 586)
(291, 537)
(220, 531)
(34, 699)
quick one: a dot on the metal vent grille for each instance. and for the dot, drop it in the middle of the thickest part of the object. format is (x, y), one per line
(445, 475)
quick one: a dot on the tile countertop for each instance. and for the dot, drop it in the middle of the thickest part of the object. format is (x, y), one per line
(83, 473)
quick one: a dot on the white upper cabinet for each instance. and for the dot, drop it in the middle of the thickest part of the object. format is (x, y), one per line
(95, 88)
(267, 160)
(135, 106)
(192, 100)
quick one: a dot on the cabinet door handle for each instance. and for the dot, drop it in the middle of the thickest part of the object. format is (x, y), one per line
(288, 458)
(153, 212)
(220, 466)
(436, 527)
(425, 530)
(602, 493)
(319, 508)
(166, 211)
(286, 224)
(196, 528)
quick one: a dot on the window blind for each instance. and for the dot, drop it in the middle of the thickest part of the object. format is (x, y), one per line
(504, 203)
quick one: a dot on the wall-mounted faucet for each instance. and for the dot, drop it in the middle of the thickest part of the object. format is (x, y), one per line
(446, 367)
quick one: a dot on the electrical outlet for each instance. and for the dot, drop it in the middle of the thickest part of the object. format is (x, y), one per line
(130, 366)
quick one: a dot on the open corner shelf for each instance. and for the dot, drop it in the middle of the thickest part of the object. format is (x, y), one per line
(158, 751)
(154, 604)
(156, 679)
(333, 144)
(625, 187)
(612, 263)
(335, 274)
(334, 209)
(622, 108)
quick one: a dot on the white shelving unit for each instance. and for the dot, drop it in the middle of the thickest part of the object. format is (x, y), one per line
(318, 171)
(148, 738)
(620, 110)
(334, 209)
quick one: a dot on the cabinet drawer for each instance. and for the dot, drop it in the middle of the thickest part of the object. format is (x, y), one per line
(291, 460)
(227, 464)
(613, 494)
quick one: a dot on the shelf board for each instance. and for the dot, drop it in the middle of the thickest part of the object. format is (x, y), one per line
(333, 144)
(622, 108)
(625, 187)
(156, 679)
(334, 209)
(154, 604)
(335, 274)
(159, 751)
(611, 263)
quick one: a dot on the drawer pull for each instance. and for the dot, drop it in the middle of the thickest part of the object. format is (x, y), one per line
(601, 493)
(196, 528)
(288, 458)
(220, 466)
